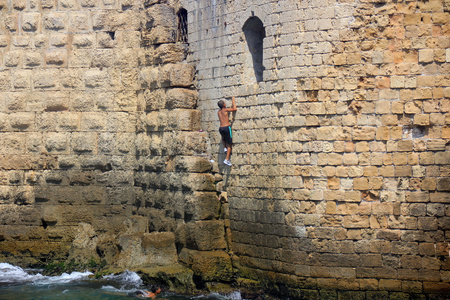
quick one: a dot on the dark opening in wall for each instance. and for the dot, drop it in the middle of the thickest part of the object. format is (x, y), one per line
(182, 35)
(255, 32)
(112, 34)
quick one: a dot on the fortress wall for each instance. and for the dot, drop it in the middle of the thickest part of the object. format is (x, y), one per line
(70, 109)
(341, 161)
(340, 177)
(101, 157)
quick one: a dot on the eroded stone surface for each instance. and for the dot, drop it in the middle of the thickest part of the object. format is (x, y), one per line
(101, 158)
(108, 126)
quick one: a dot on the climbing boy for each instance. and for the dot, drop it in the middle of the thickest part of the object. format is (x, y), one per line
(225, 127)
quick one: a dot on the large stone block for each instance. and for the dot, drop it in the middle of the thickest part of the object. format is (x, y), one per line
(206, 235)
(126, 101)
(121, 122)
(55, 21)
(127, 58)
(57, 101)
(159, 35)
(56, 57)
(169, 53)
(122, 196)
(178, 119)
(83, 40)
(84, 142)
(443, 184)
(12, 22)
(177, 75)
(181, 98)
(209, 265)
(13, 214)
(57, 142)
(193, 164)
(12, 143)
(103, 58)
(199, 182)
(96, 78)
(146, 250)
(21, 80)
(30, 21)
(149, 77)
(12, 58)
(364, 133)
(203, 206)
(161, 24)
(79, 21)
(22, 121)
(161, 15)
(66, 121)
(21, 41)
(93, 121)
(45, 79)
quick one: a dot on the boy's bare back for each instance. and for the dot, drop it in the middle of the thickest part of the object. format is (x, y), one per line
(223, 117)
(223, 113)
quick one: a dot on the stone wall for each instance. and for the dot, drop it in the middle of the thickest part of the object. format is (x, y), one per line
(70, 109)
(340, 177)
(101, 157)
(340, 174)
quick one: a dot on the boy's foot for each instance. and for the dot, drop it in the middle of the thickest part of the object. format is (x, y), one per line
(227, 162)
(225, 150)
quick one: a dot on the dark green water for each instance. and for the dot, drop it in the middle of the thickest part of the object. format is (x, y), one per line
(17, 283)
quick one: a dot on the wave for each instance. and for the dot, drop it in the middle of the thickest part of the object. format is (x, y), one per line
(12, 274)
(126, 277)
(16, 283)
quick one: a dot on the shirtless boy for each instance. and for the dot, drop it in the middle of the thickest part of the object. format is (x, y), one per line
(225, 127)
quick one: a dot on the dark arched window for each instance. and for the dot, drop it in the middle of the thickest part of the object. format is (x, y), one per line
(254, 34)
(182, 35)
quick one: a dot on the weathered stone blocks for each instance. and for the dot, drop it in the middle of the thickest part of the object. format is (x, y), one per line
(203, 206)
(55, 57)
(169, 53)
(54, 21)
(209, 265)
(181, 98)
(30, 21)
(350, 159)
(147, 249)
(179, 75)
(385, 158)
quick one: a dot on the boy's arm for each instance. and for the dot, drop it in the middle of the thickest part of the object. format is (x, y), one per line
(233, 103)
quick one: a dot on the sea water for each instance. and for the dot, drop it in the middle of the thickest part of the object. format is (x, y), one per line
(17, 283)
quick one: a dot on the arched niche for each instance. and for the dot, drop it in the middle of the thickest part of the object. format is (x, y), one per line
(255, 32)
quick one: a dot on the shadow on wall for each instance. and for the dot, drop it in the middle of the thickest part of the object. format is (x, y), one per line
(224, 169)
(254, 34)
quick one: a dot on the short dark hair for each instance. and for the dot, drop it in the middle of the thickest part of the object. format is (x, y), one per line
(221, 103)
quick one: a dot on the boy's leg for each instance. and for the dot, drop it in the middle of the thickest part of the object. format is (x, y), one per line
(228, 152)
(223, 140)
(229, 143)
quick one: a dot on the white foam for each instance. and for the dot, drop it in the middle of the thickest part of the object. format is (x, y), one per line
(121, 290)
(212, 296)
(13, 274)
(235, 296)
(63, 278)
(126, 277)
